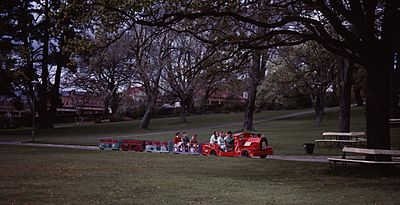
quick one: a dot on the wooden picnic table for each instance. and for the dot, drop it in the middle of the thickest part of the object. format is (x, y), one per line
(342, 138)
(343, 135)
(394, 122)
(365, 152)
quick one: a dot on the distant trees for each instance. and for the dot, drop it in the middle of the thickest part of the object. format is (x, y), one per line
(304, 69)
(103, 73)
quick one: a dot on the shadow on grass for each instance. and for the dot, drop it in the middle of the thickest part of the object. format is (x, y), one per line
(365, 171)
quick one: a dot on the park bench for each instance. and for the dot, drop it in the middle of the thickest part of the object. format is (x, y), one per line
(365, 152)
(394, 122)
(342, 138)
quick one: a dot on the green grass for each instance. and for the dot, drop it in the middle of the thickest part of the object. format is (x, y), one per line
(286, 136)
(31, 175)
(90, 133)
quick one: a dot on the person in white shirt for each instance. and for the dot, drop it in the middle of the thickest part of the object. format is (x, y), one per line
(213, 138)
(221, 141)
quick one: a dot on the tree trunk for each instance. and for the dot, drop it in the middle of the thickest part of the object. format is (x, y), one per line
(250, 107)
(150, 108)
(45, 120)
(114, 102)
(395, 90)
(378, 99)
(345, 79)
(256, 73)
(358, 96)
(184, 106)
(54, 93)
(319, 109)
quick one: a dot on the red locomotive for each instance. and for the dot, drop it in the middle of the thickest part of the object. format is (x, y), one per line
(245, 145)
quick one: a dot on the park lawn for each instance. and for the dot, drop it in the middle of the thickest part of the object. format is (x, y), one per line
(32, 175)
(90, 133)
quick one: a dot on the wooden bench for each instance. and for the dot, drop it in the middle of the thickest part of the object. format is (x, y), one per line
(342, 138)
(394, 122)
(365, 152)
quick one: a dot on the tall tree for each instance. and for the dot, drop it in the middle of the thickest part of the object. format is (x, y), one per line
(313, 70)
(345, 78)
(150, 51)
(104, 73)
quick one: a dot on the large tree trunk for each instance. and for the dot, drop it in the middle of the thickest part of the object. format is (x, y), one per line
(345, 79)
(318, 104)
(250, 107)
(184, 109)
(150, 104)
(358, 96)
(45, 120)
(54, 93)
(395, 90)
(378, 99)
(256, 74)
(114, 102)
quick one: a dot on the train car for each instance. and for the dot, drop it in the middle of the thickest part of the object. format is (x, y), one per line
(189, 148)
(245, 145)
(132, 145)
(106, 144)
(156, 146)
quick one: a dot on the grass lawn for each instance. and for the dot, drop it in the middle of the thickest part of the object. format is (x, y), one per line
(32, 175)
(89, 133)
(286, 136)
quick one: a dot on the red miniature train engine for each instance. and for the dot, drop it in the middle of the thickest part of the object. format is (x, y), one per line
(245, 145)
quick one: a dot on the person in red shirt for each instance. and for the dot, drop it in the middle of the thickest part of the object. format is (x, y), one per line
(177, 142)
(177, 138)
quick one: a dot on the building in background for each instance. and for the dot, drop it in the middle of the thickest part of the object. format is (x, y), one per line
(81, 103)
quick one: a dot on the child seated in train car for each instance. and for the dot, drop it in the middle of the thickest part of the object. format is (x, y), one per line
(185, 142)
(193, 143)
(221, 141)
(177, 141)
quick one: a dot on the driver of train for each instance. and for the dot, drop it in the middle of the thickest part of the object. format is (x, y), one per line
(229, 142)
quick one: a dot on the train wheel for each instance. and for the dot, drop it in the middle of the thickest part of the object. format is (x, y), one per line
(263, 156)
(213, 153)
(245, 154)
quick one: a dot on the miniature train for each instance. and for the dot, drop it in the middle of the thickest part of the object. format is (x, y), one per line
(245, 145)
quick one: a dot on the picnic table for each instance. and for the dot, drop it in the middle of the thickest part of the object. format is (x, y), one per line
(342, 138)
(394, 122)
(373, 153)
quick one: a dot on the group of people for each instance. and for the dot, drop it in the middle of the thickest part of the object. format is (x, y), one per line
(183, 143)
(224, 140)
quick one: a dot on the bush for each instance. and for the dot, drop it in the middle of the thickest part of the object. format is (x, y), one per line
(233, 107)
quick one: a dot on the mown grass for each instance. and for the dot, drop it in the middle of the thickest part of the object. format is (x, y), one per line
(31, 175)
(90, 133)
